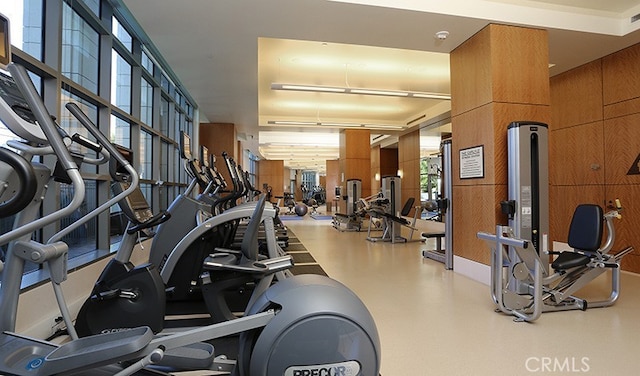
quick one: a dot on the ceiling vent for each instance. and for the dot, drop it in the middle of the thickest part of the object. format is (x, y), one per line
(635, 18)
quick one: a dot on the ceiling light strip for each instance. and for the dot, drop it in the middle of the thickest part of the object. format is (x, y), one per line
(361, 91)
(340, 125)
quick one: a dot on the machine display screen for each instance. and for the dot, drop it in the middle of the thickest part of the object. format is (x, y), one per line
(5, 44)
(204, 155)
(185, 145)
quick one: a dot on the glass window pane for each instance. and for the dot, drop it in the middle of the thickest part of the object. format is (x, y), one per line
(147, 63)
(120, 82)
(164, 116)
(146, 191)
(177, 120)
(121, 33)
(120, 131)
(80, 49)
(146, 153)
(26, 25)
(69, 123)
(146, 102)
(164, 161)
(94, 5)
(164, 82)
(82, 239)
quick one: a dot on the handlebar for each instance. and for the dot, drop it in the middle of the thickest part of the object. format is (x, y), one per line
(108, 146)
(50, 129)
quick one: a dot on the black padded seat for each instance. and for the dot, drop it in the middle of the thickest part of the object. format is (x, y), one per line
(585, 231)
(568, 260)
(585, 235)
(406, 209)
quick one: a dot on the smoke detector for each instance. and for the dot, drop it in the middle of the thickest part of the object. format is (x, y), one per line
(442, 35)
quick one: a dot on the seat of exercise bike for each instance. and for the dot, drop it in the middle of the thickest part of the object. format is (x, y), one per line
(568, 260)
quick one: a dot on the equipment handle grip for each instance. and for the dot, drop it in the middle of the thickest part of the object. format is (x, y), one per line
(50, 129)
(102, 139)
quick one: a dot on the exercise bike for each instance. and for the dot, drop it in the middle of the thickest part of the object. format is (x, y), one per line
(523, 287)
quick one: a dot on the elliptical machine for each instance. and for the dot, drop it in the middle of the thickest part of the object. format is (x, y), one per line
(302, 325)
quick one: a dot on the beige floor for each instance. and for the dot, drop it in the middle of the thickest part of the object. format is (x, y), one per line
(437, 322)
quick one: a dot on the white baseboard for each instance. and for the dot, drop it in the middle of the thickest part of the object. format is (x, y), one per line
(472, 269)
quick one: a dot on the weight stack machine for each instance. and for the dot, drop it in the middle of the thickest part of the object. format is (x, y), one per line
(354, 192)
(445, 256)
(528, 204)
(392, 190)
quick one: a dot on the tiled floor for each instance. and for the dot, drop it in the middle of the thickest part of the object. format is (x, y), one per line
(437, 322)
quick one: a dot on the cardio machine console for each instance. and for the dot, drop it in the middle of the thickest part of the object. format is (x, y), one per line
(14, 110)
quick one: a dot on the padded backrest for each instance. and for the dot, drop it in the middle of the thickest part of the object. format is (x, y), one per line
(585, 232)
(249, 245)
(407, 206)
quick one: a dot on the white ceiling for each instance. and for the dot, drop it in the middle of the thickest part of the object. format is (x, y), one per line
(228, 53)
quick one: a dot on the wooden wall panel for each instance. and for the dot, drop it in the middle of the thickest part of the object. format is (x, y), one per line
(271, 172)
(332, 181)
(621, 75)
(519, 55)
(409, 165)
(219, 138)
(375, 168)
(355, 157)
(576, 96)
(470, 66)
(576, 155)
(632, 106)
(478, 210)
(469, 130)
(389, 161)
(614, 139)
(627, 227)
(498, 76)
(621, 148)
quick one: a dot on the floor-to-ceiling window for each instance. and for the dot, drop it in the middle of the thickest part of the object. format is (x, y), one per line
(93, 53)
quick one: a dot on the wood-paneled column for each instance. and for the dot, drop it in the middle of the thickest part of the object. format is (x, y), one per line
(498, 76)
(409, 167)
(355, 159)
(220, 137)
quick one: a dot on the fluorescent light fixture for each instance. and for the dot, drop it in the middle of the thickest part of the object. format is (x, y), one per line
(322, 89)
(293, 122)
(337, 125)
(347, 125)
(361, 91)
(389, 93)
(382, 126)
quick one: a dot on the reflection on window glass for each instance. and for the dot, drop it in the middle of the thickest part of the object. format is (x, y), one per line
(147, 63)
(120, 82)
(164, 116)
(122, 34)
(80, 49)
(82, 239)
(164, 82)
(178, 119)
(69, 123)
(25, 17)
(120, 131)
(178, 170)
(146, 191)
(146, 102)
(94, 5)
(164, 161)
(146, 152)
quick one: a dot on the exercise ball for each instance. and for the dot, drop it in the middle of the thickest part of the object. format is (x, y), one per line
(301, 210)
